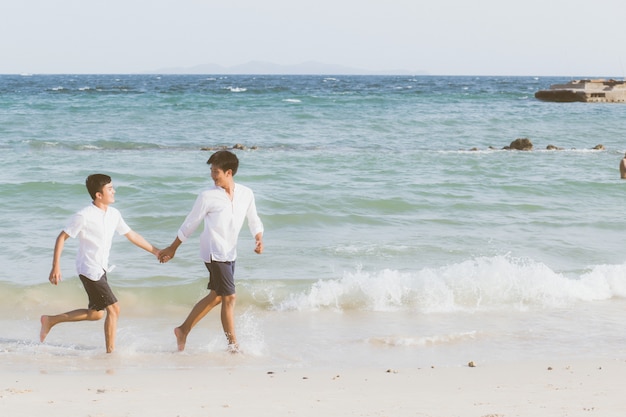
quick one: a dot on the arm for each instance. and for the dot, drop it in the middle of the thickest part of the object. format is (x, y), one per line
(55, 273)
(169, 252)
(200, 207)
(139, 241)
(255, 225)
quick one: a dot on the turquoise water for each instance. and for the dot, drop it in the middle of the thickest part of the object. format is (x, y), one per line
(397, 229)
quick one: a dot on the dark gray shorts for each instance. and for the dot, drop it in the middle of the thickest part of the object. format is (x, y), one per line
(99, 292)
(221, 277)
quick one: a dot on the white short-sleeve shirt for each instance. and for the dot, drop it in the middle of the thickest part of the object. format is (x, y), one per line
(95, 229)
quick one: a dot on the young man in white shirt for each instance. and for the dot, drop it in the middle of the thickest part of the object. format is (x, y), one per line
(223, 209)
(94, 226)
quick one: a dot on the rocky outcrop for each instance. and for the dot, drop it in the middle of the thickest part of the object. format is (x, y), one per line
(587, 91)
(521, 144)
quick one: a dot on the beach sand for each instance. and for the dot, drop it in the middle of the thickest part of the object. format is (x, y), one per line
(576, 388)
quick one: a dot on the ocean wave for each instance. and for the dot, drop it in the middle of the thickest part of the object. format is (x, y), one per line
(481, 284)
(485, 284)
(236, 89)
(104, 145)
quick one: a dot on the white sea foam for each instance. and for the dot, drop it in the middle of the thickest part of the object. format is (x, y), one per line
(423, 340)
(497, 283)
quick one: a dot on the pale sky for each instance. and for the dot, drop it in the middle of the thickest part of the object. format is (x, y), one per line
(439, 37)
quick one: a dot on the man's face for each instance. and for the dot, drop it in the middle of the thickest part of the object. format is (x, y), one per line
(220, 178)
(107, 195)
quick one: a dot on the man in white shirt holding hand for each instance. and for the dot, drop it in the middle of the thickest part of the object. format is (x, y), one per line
(94, 226)
(223, 209)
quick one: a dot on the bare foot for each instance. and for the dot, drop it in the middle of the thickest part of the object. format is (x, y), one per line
(181, 339)
(45, 328)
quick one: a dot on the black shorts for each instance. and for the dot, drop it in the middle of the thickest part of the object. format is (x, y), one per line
(221, 277)
(99, 292)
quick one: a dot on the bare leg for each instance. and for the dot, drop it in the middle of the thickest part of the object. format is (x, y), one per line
(228, 321)
(48, 322)
(110, 326)
(196, 314)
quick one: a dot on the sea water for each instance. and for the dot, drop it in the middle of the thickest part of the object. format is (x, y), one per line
(398, 231)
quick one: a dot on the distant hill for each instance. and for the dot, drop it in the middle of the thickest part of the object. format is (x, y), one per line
(262, 67)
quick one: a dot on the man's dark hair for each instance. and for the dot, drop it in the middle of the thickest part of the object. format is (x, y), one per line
(224, 160)
(95, 183)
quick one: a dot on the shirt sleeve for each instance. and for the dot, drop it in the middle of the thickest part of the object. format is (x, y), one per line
(74, 225)
(122, 228)
(254, 221)
(193, 219)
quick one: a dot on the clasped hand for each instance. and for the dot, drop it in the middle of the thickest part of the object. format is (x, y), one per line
(166, 255)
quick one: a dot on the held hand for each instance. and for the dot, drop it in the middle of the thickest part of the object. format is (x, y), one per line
(166, 255)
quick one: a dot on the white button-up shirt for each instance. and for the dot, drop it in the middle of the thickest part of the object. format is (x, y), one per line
(223, 220)
(95, 229)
